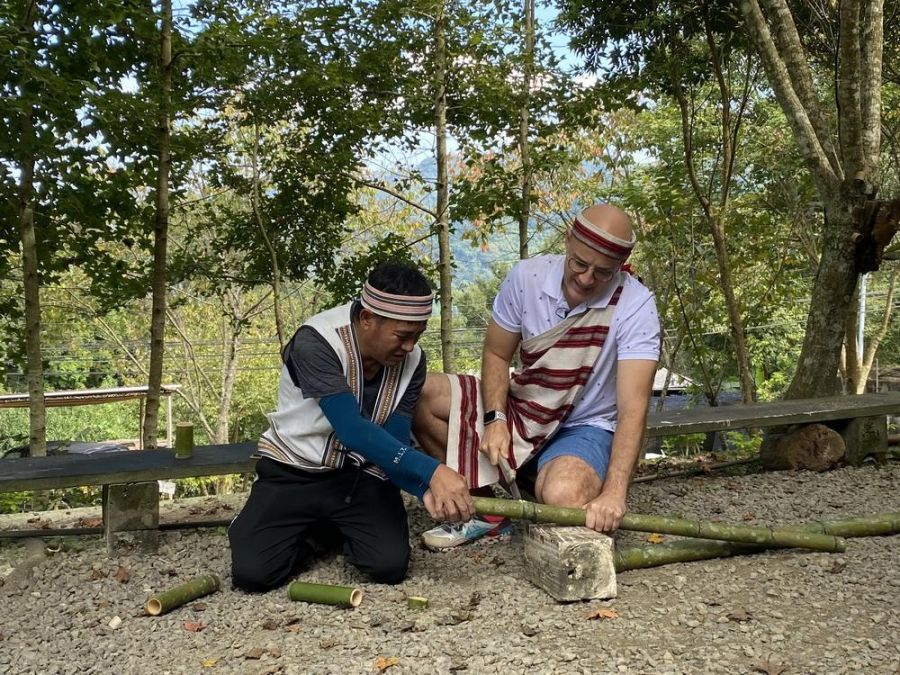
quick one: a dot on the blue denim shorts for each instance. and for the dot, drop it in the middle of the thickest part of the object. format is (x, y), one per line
(589, 443)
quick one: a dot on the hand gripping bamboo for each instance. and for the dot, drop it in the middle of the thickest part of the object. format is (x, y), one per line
(746, 534)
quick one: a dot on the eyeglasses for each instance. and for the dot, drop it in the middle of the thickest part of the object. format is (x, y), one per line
(599, 273)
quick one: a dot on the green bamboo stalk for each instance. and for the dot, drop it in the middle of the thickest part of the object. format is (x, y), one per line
(747, 534)
(325, 594)
(876, 525)
(184, 440)
(176, 597)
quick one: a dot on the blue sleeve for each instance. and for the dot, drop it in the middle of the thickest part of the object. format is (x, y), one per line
(399, 426)
(408, 469)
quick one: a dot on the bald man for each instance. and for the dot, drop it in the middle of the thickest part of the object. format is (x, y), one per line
(571, 418)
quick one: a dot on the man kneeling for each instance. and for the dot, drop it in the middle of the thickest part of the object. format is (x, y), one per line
(337, 451)
(573, 415)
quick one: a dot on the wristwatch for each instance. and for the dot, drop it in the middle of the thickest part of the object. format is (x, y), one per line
(494, 416)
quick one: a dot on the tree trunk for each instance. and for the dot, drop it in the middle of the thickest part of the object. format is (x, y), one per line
(845, 178)
(160, 231)
(527, 177)
(256, 202)
(829, 308)
(443, 190)
(37, 435)
(859, 365)
(231, 347)
(715, 213)
(736, 321)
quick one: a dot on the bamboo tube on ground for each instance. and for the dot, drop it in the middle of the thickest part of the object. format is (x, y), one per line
(176, 597)
(762, 536)
(325, 594)
(876, 525)
(417, 602)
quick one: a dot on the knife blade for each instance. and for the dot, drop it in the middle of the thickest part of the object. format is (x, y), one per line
(509, 477)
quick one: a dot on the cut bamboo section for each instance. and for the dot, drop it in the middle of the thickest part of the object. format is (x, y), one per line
(176, 597)
(746, 534)
(184, 440)
(687, 550)
(325, 594)
(417, 602)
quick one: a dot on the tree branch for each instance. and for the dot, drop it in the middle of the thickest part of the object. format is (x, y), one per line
(848, 88)
(791, 50)
(394, 193)
(871, 58)
(827, 177)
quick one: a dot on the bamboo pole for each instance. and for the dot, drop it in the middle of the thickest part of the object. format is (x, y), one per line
(325, 594)
(747, 534)
(876, 525)
(176, 597)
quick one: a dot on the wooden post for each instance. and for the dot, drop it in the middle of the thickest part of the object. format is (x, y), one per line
(169, 438)
(140, 443)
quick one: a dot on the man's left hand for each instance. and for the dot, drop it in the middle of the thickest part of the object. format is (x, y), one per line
(604, 513)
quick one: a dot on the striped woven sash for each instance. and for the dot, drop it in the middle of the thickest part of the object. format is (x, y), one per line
(555, 367)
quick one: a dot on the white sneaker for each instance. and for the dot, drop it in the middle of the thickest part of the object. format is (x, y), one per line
(449, 535)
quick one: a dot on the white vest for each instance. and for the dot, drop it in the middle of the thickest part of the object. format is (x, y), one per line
(299, 433)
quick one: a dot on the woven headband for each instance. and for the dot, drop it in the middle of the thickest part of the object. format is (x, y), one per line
(393, 306)
(600, 240)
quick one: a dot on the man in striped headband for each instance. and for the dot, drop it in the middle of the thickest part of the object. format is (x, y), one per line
(571, 418)
(337, 451)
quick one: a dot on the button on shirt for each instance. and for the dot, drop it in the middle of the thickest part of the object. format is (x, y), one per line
(531, 301)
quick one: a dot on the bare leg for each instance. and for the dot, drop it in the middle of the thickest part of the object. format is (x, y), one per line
(567, 481)
(430, 422)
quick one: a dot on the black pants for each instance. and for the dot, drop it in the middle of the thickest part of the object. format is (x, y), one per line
(269, 538)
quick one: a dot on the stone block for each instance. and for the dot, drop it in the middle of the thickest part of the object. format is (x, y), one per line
(570, 563)
(866, 436)
(131, 517)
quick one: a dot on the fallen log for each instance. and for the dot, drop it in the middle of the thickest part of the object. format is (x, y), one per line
(747, 534)
(325, 594)
(179, 595)
(688, 550)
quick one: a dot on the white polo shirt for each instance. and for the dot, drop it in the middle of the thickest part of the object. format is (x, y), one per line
(531, 301)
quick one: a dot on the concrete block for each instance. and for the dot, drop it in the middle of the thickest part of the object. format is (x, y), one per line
(570, 563)
(131, 517)
(866, 436)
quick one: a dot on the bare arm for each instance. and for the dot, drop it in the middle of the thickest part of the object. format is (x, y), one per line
(634, 386)
(499, 347)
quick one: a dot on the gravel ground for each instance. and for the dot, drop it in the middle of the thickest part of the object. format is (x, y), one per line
(776, 612)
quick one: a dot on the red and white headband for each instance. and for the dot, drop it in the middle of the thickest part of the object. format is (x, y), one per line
(600, 240)
(393, 306)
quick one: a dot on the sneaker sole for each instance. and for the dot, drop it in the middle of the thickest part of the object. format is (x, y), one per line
(489, 537)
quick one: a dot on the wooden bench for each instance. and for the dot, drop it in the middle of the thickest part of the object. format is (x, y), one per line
(861, 420)
(129, 480)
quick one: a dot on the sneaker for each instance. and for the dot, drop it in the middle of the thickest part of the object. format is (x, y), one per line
(449, 535)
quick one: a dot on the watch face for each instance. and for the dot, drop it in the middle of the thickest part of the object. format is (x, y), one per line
(493, 415)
